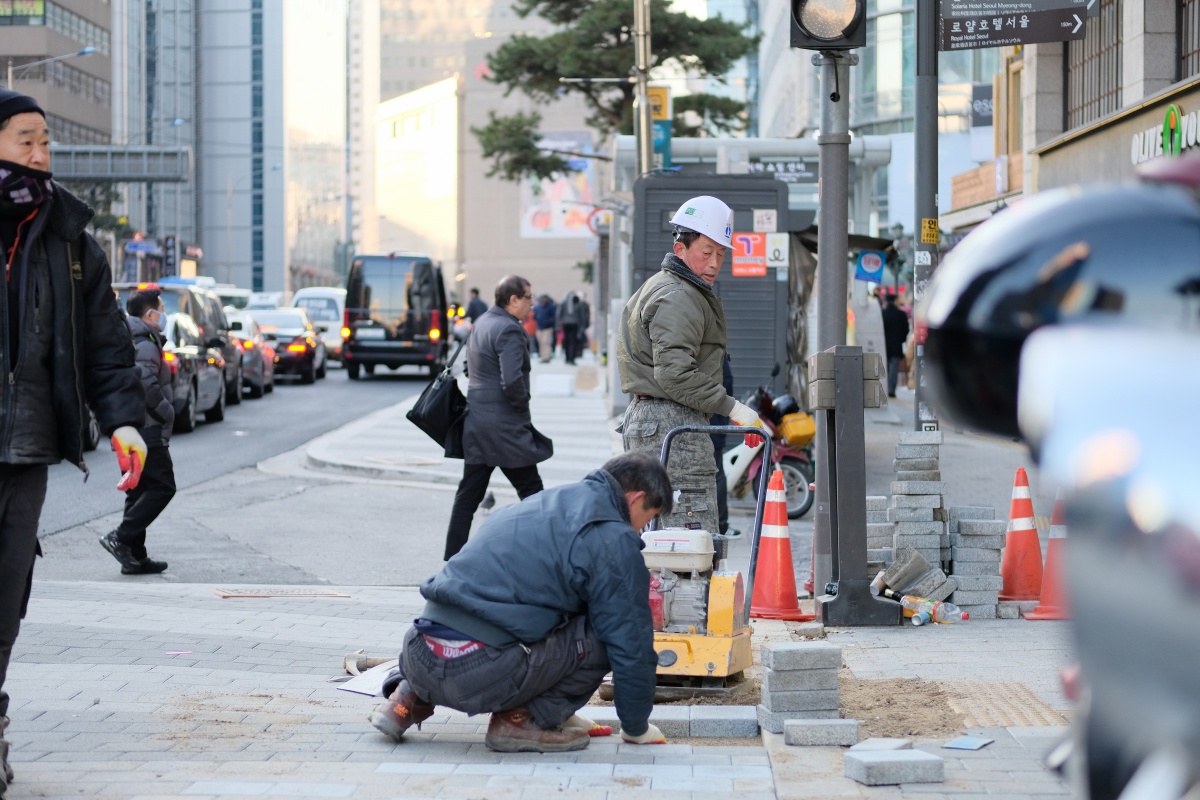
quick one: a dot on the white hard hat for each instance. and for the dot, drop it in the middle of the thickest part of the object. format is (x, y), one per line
(708, 216)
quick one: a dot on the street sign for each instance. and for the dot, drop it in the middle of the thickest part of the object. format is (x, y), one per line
(1093, 8)
(970, 24)
(766, 220)
(149, 246)
(660, 102)
(870, 266)
(777, 250)
(929, 231)
(662, 143)
(749, 255)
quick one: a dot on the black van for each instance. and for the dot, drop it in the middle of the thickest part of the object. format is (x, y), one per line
(395, 314)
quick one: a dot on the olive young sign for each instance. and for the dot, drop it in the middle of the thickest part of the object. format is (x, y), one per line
(969, 24)
(1176, 134)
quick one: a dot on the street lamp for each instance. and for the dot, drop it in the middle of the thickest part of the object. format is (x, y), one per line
(230, 185)
(87, 51)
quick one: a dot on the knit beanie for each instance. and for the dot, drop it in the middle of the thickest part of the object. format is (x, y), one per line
(13, 103)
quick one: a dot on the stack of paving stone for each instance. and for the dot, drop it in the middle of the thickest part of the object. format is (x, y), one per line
(799, 681)
(916, 510)
(891, 762)
(977, 539)
(880, 531)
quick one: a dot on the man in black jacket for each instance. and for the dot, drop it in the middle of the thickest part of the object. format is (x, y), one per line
(895, 331)
(524, 623)
(63, 340)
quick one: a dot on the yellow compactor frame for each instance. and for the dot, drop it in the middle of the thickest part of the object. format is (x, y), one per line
(724, 649)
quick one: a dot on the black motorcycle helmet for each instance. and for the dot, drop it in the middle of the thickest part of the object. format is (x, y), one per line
(1128, 252)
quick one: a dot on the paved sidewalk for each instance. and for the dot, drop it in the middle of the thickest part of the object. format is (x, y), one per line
(144, 689)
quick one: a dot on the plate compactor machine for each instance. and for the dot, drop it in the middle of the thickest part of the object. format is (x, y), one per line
(701, 609)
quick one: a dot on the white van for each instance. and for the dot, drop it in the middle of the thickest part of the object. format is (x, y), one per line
(326, 306)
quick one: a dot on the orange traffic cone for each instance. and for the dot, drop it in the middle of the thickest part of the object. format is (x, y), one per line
(775, 579)
(1053, 604)
(1021, 566)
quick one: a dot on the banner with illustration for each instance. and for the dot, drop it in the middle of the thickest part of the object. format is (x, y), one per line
(559, 208)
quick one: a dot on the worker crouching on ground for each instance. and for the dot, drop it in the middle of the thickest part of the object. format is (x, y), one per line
(670, 349)
(527, 619)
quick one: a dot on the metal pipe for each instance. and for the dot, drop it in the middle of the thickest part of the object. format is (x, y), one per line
(925, 153)
(641, 103)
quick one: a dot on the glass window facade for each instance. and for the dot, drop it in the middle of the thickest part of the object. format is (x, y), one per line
(1188, 38)
(1092, 88)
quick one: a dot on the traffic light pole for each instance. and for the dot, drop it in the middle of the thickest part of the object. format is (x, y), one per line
(641, 102)
(925, 235)
(832, 272)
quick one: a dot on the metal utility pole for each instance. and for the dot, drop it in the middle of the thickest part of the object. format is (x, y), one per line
(832, 276)
(925, 153)
(641, 103)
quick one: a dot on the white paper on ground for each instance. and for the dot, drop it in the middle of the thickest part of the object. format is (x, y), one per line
(370, 682)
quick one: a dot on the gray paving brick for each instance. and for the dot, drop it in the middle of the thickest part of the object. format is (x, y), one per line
(987, 611)
(674, 721)
(882, 767)
(926, 528)
(1007, 609)
(773, 720)
(917, 501)
(782, 656)
(711, 722)
(881, 554)
(820, 732)
(965, 598)
(915, 540)
(917, 451)
(816, 700)
(876, 743)
(918, 487)
(876, 517)
(982, 527)
(905, 464)
(996, 542)
(944, 591)
(910, 514)
(920, 437)
(796, 680)
(877, 502)
(878, 529)
(964, 554)
(975, 568)
(972, 512)
(919, 475)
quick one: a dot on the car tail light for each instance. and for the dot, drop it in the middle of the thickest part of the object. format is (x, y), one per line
(297, 347)
(435, 325)
(345, 333)
(247, 344)
(172, 362)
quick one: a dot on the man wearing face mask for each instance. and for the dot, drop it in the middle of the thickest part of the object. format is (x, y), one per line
(143, 504)
(670, 349)
(64, 342)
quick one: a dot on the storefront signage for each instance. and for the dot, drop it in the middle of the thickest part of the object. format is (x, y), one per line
(749, 255)
(970, 24)
(1176, 134)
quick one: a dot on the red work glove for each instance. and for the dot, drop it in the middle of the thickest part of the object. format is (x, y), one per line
(742, 414)
(131, 456)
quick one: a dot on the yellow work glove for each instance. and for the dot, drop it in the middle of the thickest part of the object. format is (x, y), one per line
(593, 728)
(652, 736)
(742, 414)
(131, 456)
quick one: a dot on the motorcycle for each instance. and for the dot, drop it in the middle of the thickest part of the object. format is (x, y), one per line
(792, 432)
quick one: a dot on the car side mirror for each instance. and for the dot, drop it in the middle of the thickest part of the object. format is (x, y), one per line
(216, 343)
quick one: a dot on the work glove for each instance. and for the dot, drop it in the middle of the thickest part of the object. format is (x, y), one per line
(652, 736)
(131, 456)
(742, 414)
(593, 728)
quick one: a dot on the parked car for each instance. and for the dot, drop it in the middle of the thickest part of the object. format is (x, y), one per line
(197, 373)
(298, 348)
(326, 307)
(179, 295)
(396, 314)
(258, 357)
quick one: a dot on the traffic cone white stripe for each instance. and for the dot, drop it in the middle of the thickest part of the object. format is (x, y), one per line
(1021, 493)
(776, 496)
(774, 531)
(1022, 524)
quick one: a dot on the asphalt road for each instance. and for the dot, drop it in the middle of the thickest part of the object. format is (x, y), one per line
(252, 431)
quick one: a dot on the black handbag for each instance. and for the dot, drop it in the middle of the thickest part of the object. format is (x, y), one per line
(442, 408)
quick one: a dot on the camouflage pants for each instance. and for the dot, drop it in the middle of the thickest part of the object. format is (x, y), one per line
(692, 468)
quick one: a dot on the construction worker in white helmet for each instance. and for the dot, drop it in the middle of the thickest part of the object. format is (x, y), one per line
(670, 351)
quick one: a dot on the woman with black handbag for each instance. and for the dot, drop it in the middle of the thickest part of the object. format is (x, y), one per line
(498, 430)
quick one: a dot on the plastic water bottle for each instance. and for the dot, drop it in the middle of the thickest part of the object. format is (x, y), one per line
(923, 610)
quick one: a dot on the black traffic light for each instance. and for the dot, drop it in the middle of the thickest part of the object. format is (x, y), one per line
(829, 24)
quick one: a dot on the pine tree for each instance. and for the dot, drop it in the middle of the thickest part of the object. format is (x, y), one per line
(595, 40)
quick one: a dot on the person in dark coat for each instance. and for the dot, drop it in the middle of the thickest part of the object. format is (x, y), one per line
(895, 331)
(526, 620)
(63, 341)
(143, 504)
(498, 431)
(476, 307)
(570, 313)
(546, 314)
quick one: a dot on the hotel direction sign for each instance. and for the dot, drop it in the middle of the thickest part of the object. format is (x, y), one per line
(971, 24)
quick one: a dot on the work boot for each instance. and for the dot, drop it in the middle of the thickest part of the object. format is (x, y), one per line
(144, 566)
(399, 712)
(120, 551)
(514, 731)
